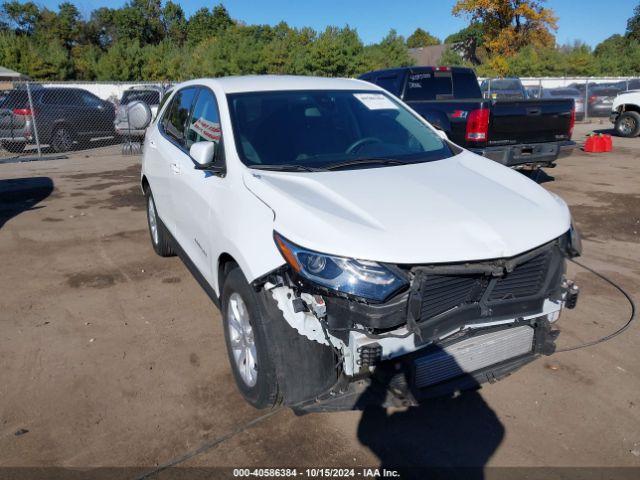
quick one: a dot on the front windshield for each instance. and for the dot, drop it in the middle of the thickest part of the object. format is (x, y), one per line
(320, 129)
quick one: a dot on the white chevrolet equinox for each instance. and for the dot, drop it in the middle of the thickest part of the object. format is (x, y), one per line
(355, 253)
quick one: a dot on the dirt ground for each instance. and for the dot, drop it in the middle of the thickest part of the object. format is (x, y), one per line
(112, 356)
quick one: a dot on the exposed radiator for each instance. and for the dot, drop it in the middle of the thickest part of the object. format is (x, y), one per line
(473, 354)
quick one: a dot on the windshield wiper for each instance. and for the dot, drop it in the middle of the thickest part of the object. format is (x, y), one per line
(365, 161)
(287, 168)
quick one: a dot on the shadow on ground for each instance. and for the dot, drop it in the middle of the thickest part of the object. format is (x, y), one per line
(21, 194)
(539, 175)
(449, 436)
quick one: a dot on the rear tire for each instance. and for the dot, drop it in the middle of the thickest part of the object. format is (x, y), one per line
(249, 352)
(14, 147)
(61, 139)
(628, 124)
(160, 239)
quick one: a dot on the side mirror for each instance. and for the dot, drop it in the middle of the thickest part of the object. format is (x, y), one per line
(204, 155)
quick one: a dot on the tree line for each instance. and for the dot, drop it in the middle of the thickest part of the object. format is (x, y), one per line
(154, 40)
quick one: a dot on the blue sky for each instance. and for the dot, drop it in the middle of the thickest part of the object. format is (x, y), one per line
(589, 20)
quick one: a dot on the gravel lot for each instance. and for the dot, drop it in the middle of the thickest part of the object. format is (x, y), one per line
(112, 356)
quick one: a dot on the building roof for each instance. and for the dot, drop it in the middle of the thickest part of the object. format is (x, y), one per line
(263, 83)
(8, 73)
(425, 56)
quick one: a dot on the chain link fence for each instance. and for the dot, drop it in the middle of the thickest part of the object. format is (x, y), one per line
(51, 119)
(593, 95)
(39, 120)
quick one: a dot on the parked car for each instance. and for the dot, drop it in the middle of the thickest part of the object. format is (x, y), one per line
(574, 93)
(346, 240)
(150, 94)
(503, 89)
(600, 101)
(625, 114)
(515, 133)
(533, 92)
(62, 116)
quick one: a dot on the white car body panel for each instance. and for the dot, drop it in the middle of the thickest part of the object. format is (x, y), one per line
(631, 97)
(458, 209)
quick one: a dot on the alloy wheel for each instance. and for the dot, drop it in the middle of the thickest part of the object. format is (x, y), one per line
(243, 344)
(153, 222)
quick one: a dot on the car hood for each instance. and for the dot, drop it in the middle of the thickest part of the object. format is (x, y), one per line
(458, 209)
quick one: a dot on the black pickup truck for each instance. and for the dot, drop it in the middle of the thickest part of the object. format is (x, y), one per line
(512, 132)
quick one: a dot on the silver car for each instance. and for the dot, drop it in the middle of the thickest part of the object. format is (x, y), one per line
(574, 93)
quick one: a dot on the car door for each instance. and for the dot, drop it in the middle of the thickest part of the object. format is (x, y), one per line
(165, 150)
(99, 114)
(197, 195)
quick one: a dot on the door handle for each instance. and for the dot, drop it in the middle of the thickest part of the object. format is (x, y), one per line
(175, 168)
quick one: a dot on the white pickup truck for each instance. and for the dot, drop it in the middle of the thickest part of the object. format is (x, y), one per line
(625, 113)
(349, 245)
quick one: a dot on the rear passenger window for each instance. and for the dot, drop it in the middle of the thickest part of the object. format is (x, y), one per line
(53, 97)
(205, 120)
(390, 83)
(89, 100)
(175, 119)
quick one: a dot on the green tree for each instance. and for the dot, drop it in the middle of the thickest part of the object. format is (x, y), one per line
(468, 43)
(390, 52)
(337, 52)
(633, 24)
(122, 61)
(452, 58)
(22, 16)
(421, 38)
(174, 23)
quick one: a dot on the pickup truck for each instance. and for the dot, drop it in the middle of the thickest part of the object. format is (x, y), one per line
(357, 256)
(514, 133)
(625, 113)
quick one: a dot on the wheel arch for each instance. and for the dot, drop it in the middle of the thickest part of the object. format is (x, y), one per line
(144, 184)
(225, 264)
(628, 107)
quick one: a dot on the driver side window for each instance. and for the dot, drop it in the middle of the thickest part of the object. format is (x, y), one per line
(204, 124)
(175, 119)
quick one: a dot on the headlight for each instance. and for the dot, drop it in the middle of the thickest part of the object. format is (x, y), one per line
(361, 278)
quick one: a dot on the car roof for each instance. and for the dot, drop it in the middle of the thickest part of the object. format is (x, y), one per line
(145, 87)
(265, 83)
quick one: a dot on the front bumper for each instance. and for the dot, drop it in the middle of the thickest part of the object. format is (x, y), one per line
(22, 134)
(528, 154)
(435, 371)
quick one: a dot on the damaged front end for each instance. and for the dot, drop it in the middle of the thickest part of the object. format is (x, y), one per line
(403, 333)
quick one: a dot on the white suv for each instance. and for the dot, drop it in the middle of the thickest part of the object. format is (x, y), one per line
(355, 253)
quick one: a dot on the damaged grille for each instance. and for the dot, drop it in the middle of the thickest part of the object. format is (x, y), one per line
(525, 280)
(443, 293)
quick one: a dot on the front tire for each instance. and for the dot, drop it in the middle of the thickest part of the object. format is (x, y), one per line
(628, 124)
(245, 335)
(160, 239)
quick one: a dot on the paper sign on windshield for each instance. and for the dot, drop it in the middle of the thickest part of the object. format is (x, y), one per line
(375, 101)
(207, 129)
